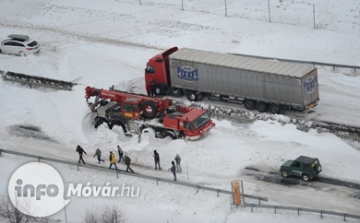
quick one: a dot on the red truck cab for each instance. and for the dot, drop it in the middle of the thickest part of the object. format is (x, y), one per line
(157, 72)
(194, 123)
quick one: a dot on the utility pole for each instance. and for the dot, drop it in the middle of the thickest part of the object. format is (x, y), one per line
(269, 10)
(314, 16)
(225, 9)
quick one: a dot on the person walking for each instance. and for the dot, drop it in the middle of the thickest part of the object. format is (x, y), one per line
(173, 169)
(112, 159)
(98, 154)
(177, 161)
(157, 160)
(81, 152)
(127, 162)
(121, 153)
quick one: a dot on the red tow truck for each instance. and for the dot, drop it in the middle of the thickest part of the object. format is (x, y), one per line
(137, 113)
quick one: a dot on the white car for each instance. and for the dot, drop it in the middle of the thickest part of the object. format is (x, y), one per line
(20, 45)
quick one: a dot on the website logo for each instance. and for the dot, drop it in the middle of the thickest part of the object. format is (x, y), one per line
(37, 189)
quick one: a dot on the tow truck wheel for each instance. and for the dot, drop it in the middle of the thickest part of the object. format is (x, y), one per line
(98, 121)
(170, 134)
(118, 124)
(149, 109)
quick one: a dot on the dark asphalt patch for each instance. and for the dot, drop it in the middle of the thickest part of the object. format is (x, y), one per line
(275, 177)
(337, 182)
(29, 131)
(252, 168)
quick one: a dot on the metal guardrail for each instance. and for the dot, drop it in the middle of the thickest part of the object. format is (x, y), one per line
(37, 81)
(299, 209)
(157, 179)
(314, 63)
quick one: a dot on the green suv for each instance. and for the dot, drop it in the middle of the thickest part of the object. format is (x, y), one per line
(305, 167)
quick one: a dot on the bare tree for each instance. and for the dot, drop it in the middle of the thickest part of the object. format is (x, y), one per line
(105, 215)
(9, 212)
(91, 216)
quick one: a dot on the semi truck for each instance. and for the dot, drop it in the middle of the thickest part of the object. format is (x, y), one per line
(259, 84)
(137, 113)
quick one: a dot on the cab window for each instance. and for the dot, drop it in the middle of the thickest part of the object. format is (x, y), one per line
(150, 69)
(188, 125)
(128, 107)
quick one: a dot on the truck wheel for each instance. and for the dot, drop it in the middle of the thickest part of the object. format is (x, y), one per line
(261, 106)
(170, 134)
(284, 173)
(274, 108)
(177, 92)
(119, 124)
(192, 96)
(249, 104)
(150, 131)
(158, 90)
(149, 109)
(98, 121)
(305, 177)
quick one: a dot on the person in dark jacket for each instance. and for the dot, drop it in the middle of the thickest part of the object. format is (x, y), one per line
(121, 153)
(173, 169)
(127, 162)
(157, 160)
(98, 154)
(81, 151)
(177, 161)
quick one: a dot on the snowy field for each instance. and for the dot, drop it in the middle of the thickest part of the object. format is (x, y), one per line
(106, 42)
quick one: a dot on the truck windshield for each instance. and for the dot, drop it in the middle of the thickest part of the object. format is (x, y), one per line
(202, 120)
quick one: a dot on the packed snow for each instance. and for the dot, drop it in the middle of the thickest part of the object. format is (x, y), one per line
(106, 42)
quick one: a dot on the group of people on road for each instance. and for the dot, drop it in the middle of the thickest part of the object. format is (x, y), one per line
(123, 156)
(112, 157)
(174, 169)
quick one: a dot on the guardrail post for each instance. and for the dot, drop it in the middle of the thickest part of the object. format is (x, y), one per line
(344, 217)
(39, 159)
(321, 214)
(275, 210)
(78, 166)
(252, 207)
(157, 181)
(218, 192)
(117, 174)
(0, 152)
(298, 211)
(259, 201)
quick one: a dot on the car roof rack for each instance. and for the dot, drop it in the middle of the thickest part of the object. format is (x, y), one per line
(19, 37)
